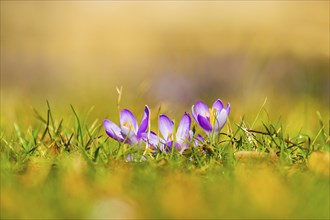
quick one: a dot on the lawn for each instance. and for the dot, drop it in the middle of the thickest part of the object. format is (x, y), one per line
(67, 167)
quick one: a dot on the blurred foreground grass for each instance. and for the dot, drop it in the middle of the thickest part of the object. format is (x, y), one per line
(67, 187)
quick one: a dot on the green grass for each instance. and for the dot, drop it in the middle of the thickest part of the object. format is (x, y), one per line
(68, 168)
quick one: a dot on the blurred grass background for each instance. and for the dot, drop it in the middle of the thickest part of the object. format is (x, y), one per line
(170, 53)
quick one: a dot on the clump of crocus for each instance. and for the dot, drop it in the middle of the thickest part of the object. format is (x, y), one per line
(129, 131)
(210, 119)
(180, 139)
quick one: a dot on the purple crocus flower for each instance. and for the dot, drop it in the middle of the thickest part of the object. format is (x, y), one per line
(129, 131)
(213, 119)
(179, 140)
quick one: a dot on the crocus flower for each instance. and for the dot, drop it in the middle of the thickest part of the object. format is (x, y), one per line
(129, 131)
(213, 119)
(180, 138)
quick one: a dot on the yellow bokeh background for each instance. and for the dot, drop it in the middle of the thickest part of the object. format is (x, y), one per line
(168, 53)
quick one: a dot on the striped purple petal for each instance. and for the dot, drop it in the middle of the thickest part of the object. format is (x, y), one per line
(193, 113)
(200, 109)
(218, 105)
(220, 120)
(204, 123)
(129, 136)
(113, 130)
(182, 133)
(144, 122)
(228, 108)
(166, 127)
(128, 120)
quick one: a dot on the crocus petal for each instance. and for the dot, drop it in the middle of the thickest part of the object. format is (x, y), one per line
(228, 108)
(218, 105)
(198, 140)
(152, 139)
(204, 123)
(182, 133)
(128, 120)
(220, 120)
(193, 112)
(144, 122)
(129, 136)
(113, 130)
(201, 109)
(165, 126)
